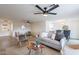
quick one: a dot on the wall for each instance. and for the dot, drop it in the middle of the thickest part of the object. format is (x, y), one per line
(38, 27)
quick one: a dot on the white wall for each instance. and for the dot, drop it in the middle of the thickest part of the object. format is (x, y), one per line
(38, 27)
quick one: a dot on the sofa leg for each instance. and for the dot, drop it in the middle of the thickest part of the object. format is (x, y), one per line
(61, 51)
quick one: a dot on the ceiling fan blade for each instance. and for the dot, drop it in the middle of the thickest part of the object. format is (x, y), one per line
(38, 13)
(53, 13)
(53, 8)
(52, 5)
(39, 8)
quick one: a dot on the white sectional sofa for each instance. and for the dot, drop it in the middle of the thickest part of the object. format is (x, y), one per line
(51, 42)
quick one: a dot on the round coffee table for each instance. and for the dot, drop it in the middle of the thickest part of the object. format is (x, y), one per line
(32, 46)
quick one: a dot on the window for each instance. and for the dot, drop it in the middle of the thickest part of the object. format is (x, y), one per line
(49, 26)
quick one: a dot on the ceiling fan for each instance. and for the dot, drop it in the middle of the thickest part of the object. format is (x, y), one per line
(46, 11)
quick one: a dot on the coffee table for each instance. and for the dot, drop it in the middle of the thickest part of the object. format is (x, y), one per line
(33, 46)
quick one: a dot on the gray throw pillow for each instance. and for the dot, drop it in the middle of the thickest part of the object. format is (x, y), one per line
(50, 34)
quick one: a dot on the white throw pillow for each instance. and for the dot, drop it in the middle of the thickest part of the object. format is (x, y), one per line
(53, 36)
(44, 35)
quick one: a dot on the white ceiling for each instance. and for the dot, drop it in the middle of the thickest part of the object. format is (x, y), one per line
(25, 11)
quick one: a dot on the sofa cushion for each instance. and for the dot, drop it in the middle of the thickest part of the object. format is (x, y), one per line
(51, 41)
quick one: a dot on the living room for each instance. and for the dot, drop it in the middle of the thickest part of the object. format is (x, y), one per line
(20, 26)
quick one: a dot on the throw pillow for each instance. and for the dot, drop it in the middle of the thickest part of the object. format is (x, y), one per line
(43, 35)
(49, 34)
(53, 36)
(59, 35)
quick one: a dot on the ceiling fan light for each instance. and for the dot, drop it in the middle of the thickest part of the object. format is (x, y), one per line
(44, 14)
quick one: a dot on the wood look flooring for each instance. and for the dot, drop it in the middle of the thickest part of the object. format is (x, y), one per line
(24, 51)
